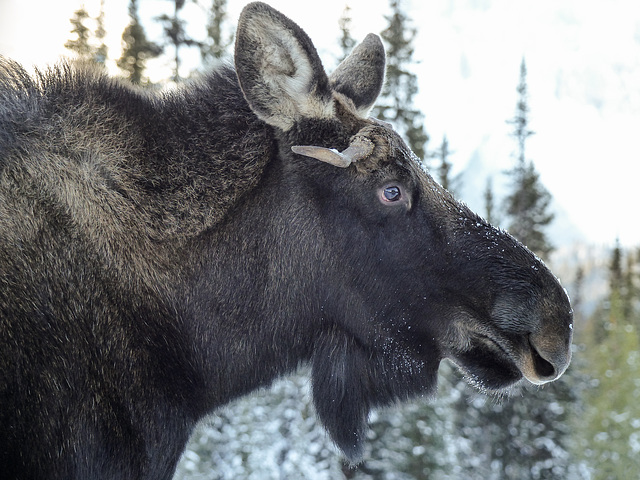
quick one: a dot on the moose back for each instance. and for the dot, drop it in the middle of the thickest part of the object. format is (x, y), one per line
(164, 253)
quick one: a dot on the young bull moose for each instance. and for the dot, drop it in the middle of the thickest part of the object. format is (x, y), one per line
(163, 254)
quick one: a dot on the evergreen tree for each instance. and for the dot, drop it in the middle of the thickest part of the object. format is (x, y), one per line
(444, 167)
(347, 42)
(100, 53)
(176, 34)
(615, 269)
(271, 434)
(412, 440)
(489, 203)
(136, 48)
(608, 427)
(521, 120)
(80, 45)
(528, 205)
(217, 43)
(630, 292)
(523, 436)
(396, 102)
(577, 296)
(526, 435)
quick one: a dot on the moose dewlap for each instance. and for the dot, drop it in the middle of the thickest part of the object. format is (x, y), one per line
(162, 254)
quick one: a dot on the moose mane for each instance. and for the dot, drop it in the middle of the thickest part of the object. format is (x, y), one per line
(165, 130)
(141, 171)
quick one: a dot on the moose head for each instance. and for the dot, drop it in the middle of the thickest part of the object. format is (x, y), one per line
(400, 274)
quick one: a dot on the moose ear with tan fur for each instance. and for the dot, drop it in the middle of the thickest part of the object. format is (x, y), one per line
(360, 76)
(279, 69)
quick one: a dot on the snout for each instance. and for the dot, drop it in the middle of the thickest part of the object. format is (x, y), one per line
(546, 357)
(541, 332)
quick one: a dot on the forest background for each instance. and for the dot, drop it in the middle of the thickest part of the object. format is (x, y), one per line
(587, 425)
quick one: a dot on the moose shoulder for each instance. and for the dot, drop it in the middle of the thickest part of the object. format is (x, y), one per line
(162, 254)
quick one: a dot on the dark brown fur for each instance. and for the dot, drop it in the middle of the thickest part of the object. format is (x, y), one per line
(162, 254)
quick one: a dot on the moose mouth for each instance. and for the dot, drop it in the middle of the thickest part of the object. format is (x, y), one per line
(494, 363)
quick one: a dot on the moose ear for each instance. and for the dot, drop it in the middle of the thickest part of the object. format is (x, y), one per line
(279, 69)
(360, 76)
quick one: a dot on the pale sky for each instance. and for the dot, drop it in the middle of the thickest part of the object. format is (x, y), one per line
(583, 60)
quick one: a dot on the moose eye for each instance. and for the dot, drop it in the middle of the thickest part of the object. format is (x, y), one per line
(391, 194)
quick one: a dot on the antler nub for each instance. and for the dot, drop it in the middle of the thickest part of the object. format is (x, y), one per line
(328, 155)
(359, 149)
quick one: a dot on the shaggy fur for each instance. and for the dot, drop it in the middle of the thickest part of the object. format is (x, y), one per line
(164, 253)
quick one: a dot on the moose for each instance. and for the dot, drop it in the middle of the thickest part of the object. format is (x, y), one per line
(163, 253)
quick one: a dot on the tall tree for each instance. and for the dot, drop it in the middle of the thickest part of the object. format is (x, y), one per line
(524, 436)
(528, 204)
(396, 103)
(527, 436)
(608, 427)
(100, 53)
(615, 268)
(489, 203)
(347, 42)
(216, 45)
(176, 34)
(87, 44)
(444, 166)
(271, 435)
(136, 48)
(80, 45)
(629, 286)
(520, 121)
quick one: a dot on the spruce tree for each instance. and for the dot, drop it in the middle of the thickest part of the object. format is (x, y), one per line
(607, 429)
(444, 166)
(347, 42)
(88, 45)
(176, 35)
(80, 45)
(270, 435)
(629, 286)
(100, 53)
(136, 48)
(489, 203)
(528, 204)
(396, 102)
(526, 435)
(216, 45)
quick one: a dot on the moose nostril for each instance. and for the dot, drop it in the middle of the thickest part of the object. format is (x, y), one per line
(543, 368)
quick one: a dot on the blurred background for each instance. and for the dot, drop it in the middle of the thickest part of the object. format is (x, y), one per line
(527, 111)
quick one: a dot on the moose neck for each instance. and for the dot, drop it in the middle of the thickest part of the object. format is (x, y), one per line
(250, 340)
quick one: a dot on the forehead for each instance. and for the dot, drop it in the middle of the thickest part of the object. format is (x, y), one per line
(390, 152)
